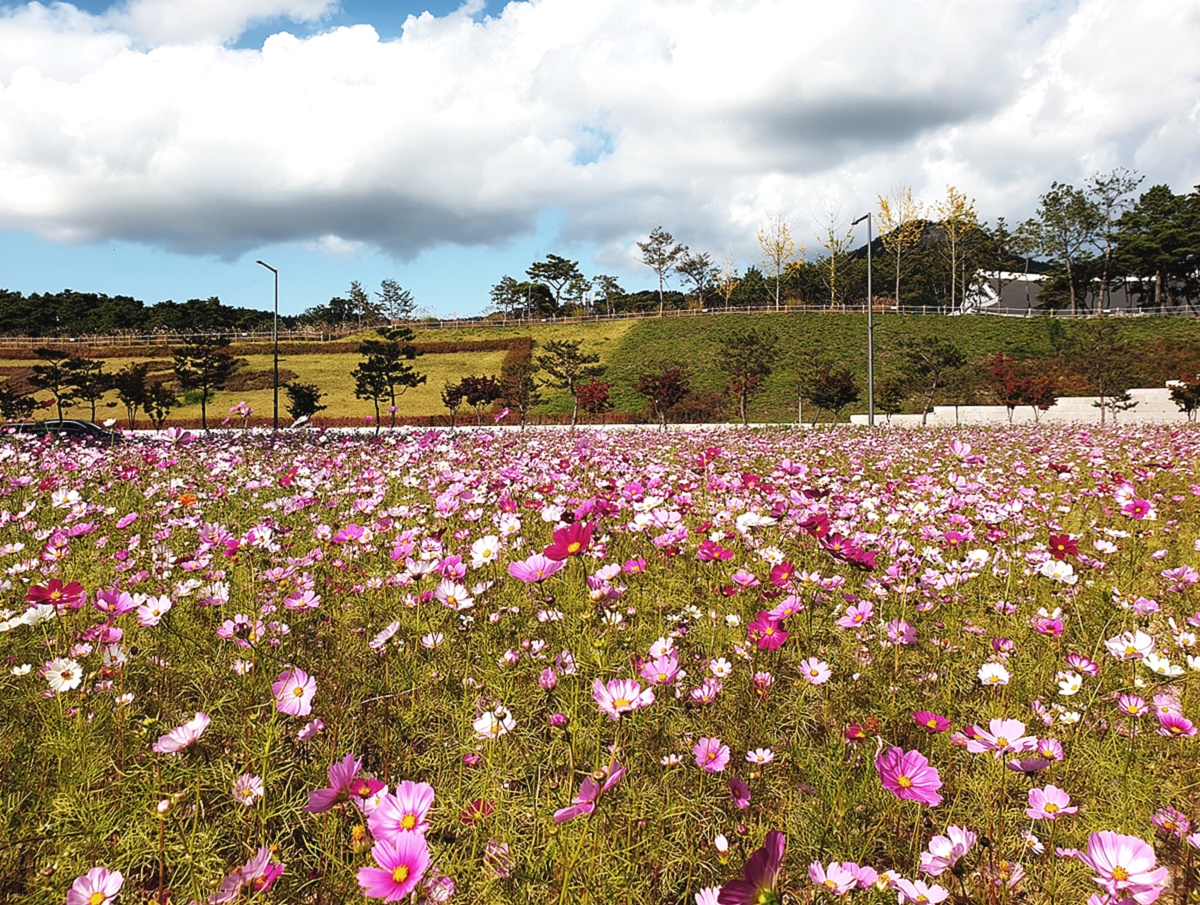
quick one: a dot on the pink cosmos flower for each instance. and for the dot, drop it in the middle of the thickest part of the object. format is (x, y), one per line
(931, 722)
(1001, 737)
(757, 885)
(907, 775)
(662, 670)
(765, 631)
(815, 672)
(259, 873)
(182, 736)
(621, 696)
(403, 811)
(1124, 866)
(535, 568)
(573, 540)
(1171, 822)
(1049, 803)
(342, 776)
(835, 878)
(711, 755)
(1172, 725)
(946, 851)
(740, 790)
(589, 793)
(857, 615)
(401, 865)
(56, 593)
(99, 886)
(294, 690)
(916, 892)
(900, 631)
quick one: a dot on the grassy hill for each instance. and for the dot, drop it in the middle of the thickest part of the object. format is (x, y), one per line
(1160, 349)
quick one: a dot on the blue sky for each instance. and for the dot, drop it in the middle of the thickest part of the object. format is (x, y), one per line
(158, 148)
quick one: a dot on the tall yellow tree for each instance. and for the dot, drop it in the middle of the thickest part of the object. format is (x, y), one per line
(959, 221)
(835, 237)
(900, 226)
(727, 278)
(779, 249)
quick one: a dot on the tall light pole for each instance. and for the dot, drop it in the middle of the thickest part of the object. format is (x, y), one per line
(275, 345)
(870, 326)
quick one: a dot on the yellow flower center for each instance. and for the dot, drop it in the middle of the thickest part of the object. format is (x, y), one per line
(931, 724)
(904, 782)
(621, 702)
(573, 546)
(408, 821)
(54, 595)
(662, 677)
(1120, 874)
(298, 691)
(97, 898)
(400, 874)
(1001, 741)
(1050, 808)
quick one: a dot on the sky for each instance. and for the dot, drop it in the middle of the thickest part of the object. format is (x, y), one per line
(159, 148)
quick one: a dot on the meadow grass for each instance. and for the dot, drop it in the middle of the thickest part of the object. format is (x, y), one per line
(433, 662)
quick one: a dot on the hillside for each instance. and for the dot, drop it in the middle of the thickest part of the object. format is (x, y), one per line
(1159, 349)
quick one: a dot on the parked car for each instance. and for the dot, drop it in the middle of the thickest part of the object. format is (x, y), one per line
(68, 429)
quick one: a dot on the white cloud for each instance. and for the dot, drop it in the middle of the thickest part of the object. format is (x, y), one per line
(699, 115)
(158, 22)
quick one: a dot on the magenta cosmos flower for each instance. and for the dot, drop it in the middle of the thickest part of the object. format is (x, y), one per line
(757, 885)
(621, 696)
(344, 783)
(99, 886)
(711, 755)
(573, 540)
(294, 690)
(907, 775)
(403, 811)
(401, 865)
(1124, 866)
(931, 722)
(589, 793)
(1049, 803)
(179, 738)
(766, 631)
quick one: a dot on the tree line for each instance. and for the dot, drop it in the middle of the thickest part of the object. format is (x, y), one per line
(1081, 243)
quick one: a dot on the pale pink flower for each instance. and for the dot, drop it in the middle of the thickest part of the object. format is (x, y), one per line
(711, 755)
(179, 738)
(620, 696)
(294, 690)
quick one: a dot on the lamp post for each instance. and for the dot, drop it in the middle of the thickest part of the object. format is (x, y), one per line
(870, 326)
(275, 347)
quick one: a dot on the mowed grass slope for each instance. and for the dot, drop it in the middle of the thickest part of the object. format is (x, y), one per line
(627, 349)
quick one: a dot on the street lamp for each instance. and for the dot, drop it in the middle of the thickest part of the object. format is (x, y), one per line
(275, 344)
(870, 326)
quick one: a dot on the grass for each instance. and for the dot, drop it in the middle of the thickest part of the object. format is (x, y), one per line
(232, 528)
(1162, 348)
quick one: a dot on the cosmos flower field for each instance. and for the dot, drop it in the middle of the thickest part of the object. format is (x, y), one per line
(629, 667)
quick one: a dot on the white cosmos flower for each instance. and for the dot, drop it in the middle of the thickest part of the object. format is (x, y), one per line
(1162, 665)
(1058, 570)
(494, 723)
(1069, 683)
(993, 674)
(63, 674)
(1130, 645)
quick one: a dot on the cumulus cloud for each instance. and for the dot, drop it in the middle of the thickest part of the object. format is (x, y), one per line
(147, 124)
